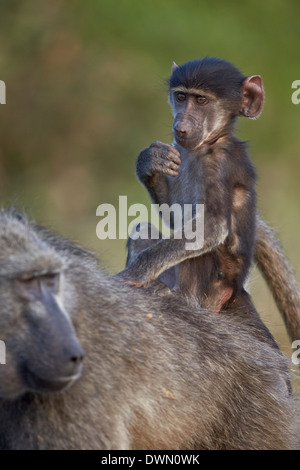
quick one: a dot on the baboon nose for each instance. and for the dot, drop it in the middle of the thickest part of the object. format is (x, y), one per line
(75, 360)
(180, 131)
(181, 134)
(73, 364)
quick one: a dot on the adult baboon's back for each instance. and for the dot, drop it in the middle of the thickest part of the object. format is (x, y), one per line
(158, 373)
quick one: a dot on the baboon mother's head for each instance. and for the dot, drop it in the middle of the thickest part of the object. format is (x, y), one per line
(42, 352)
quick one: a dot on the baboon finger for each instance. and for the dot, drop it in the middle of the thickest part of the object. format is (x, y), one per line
(175, 158)
(170, 172)
(174, 152)
(173, 166)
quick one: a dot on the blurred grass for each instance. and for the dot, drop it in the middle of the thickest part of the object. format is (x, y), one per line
(85, 93)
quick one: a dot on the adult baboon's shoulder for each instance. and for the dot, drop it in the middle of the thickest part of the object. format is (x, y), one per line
(158, 373)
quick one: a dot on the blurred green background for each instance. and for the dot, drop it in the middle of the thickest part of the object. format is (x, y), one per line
(85, 93)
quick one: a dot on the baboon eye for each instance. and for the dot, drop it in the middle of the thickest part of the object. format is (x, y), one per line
(28, 282)
(221, 275)
(201, 99)
(180, 97)
(51, 280)
(35, 283)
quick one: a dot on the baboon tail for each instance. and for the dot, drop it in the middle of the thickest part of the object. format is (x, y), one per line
(279, 276)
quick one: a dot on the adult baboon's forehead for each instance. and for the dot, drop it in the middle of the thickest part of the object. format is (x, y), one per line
(26, 265)
(16, 235)
(22, 250)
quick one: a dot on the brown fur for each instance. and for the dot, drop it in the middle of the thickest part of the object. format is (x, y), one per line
(159, 373)
(182, 174)
(206, 164)
(279, 276)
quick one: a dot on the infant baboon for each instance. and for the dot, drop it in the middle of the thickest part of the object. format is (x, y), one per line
(158, 373)
(206, 164)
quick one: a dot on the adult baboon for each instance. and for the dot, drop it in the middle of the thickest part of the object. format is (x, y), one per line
(158, 373)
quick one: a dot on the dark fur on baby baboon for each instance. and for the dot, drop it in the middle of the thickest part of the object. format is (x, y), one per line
(207, 164)
(158, 373)
(279, 276)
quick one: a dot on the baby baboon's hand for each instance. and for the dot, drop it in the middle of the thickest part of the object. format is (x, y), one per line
(128, 276)
(165, 158)
(159, 158)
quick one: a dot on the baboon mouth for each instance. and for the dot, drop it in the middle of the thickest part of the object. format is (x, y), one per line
(187, 142)
(41, 384)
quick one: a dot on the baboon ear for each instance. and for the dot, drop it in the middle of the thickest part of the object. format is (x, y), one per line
(252, 97)
(174, 67)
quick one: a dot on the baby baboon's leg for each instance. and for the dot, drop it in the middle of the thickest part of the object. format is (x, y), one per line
(149, 235)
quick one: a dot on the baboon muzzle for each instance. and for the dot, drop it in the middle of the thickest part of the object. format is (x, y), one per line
(54, 360)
